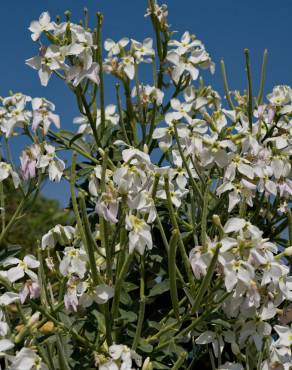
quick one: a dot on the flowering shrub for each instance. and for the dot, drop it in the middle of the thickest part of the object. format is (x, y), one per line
(179, 256)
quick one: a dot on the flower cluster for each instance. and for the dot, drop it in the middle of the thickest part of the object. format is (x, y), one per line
(180, 242)
(71, 53)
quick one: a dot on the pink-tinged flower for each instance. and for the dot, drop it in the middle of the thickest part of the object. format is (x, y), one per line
(71, 299)
(108, 205)
(30, 289)
(42, 114)
(78, 73)
(28, 160)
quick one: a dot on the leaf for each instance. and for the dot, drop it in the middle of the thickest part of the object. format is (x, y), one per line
(144, 346)
(67, 136)
(129, 287)
(159, 366)
(100, 321)
(159, 288)
(221, 322)
(125, 298)
(12, 250)
(74, 138)
(127, 316)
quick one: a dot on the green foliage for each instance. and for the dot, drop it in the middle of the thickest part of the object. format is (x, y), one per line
(38, 217)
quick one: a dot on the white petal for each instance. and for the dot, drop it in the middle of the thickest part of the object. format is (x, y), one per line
(234, 224)
(5, 345)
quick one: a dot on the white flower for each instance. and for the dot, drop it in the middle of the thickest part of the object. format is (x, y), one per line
(4, 328)
(129, 66)
(281, 95)
(8, 298)
(211, 337)
(78, 73)
(23, 267)
(58, 234)
(110, 115)
(231, 366)
(235, 271)
(285, 335)
(56, 166)
(255, 331)
(114, 48)
(42, 114)
(140, 234)
(148, 94)
(43, 24)
(5, 345)
(108, 205)
(234, 224)
(27, 359)
(142, 50)
(6, 171)
(74, 262)
(50, 59)
(103, 293)
(109, 365)
(186, 43)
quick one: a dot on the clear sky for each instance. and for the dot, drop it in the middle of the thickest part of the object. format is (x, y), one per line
(226, 27)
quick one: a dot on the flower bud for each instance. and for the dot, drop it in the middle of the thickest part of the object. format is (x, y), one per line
(147, 364)
(216, 220)
(33, 319)
(47, 328)
(288, 252)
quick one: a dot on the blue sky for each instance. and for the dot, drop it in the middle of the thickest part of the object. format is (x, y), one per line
(226, 27)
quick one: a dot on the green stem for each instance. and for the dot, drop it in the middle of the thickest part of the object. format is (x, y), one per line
(165, 242)
(263, 75)
(172, 272)
(131, 113)
(204, 218)
(103, 222)
(206, 281)
(13, 218)
(74, 147)
(175, 225)
(225, 83)
(248, 71)
(191, 179)
(181, 359)
(289, 216)
(73, 199)
(122, 123)
(90, 246)
(79, 93)
(101, 82)
(61, 354)
(2, 205)
(118, 286)
(141, 305)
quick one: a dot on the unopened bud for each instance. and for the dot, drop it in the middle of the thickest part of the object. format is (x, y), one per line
(145, 149)
(288, 252)
(33, 319)
(47, 328)
(19, 328)
(147, 364)
(216, 220)
(67, 14)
